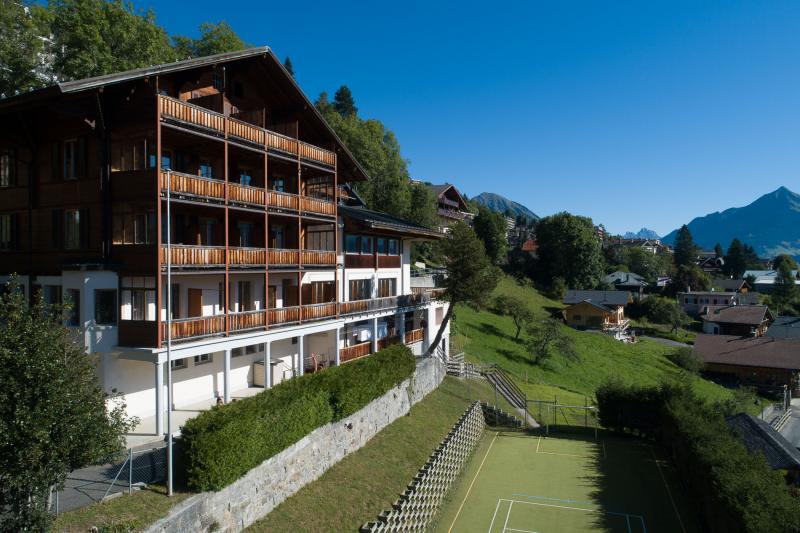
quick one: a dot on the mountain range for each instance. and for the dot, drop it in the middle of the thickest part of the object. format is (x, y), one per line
(501, 204)
(643, 233)
(771, 225)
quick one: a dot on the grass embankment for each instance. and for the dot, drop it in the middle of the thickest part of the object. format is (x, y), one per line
(489, 338)
(369, 480)
(124, 514)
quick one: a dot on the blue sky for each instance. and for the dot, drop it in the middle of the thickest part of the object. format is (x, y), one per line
(636, 114)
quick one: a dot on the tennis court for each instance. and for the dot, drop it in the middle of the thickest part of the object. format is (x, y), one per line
(523, 483)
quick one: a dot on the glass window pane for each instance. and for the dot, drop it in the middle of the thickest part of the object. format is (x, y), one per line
(105, 307)
(366, 245)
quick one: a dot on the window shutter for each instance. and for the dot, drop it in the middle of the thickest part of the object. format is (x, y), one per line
(57, 228)
(84, 228)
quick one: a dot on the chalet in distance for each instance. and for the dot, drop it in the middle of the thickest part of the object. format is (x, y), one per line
(451, 206)
(603, 310)
(222, 171)
(741, 320)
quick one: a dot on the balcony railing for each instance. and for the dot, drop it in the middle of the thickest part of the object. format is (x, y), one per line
(247, 256)
(248, 320)
(318, 257)
(315, 205)
(284, 315)
(185, 328)
(193, 185)
(387, 341)
(282, 200)
(415, 335)
(181, 255)
(205, 118)
(365, 306)
(278, 256)
(243, 194)
(318, 311)
(356, 351)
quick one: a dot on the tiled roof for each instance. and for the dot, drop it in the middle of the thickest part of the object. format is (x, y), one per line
(748, 351)
(598, 297)
(752, 315)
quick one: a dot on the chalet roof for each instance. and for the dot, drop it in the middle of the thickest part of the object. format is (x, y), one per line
(748, 351)
(785, 327)
(382, 221)
(593, 304)
(77, 86)
(440, 190)
(629, 279)
(758, 436)
(605, 298)
(732, 285)
(708, 293)
(752, 315)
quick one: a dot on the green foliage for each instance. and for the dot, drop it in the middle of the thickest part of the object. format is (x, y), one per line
(422, 205)
(734, 490)
(739, 258)
(344, 103)
(647, 264)
(689, 277)
(223, 444)
(685, 248)
(53, 415)
(490, 227)
(214, 39)
(96, 37)
(718, 250)
(21, 44)
(516, 308)
(661, 311)
(548, 336)
(784, 261)
(686, 359)
(784, 291)
(557, 289)
(470, 275)
(568, 248)
(287, 64)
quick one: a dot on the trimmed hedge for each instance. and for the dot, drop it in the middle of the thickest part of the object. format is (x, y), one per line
(733, 490)
(223, 444)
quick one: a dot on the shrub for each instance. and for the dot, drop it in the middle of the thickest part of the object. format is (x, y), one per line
(223, 444)
(734, 491)
(686, 359)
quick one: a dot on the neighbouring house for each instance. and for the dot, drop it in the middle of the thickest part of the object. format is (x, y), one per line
(693, 303)
(784, 327)
(603, 310)
(451, 206)
(741, 320)
(764, 280)
(710, 263)
(530, 245)
(653, 246)
(220, 171)
(764, 362)
(626, 281)
(739, 286)
(759, 437)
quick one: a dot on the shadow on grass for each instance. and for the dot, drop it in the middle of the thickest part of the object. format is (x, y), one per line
(491, 329)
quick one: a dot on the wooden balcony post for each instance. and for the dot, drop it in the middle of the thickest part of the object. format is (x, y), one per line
(158, 217)
(338, 337)
(227, 258)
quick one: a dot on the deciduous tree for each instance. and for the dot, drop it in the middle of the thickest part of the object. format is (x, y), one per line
(516, 308)
(215, 38)
(569, 249)
(24, 28)
(548, 337)
(490, 227)
(784, 291)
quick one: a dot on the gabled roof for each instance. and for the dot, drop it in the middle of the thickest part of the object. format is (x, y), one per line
(625, 278)
(732, 285)
(440, 190)
(77, 86)
(758, 436)
(751, 315)
(593, 304)
(785, 327)
(382, 221)
(748, 351)
(708, 293)
(605, 298)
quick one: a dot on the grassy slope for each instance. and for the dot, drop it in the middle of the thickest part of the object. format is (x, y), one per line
(489, 338)
(369, 480)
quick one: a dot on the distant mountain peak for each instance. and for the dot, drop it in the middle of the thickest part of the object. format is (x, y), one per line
(643, 233)
(501, 204)
(770, 224)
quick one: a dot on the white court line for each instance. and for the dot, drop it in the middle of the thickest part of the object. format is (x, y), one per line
(508, 515)
(491, 525)
(669, 492)
(471, 484)
(520, 530)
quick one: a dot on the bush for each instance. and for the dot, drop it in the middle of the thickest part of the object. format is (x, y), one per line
(223, 444)
(686, 359)
(734, 491)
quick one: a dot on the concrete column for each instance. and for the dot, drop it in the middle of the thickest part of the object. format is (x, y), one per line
(300, 361)
(338, 337)
(400, 318)
(267, 365)
(374, 335)
(226, 377)
(159, 369)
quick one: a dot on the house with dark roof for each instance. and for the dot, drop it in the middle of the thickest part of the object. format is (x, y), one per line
(764, 362)
(626, 281)
(741, 320)
(693, 302)
(764, 280)
(603, 310)
(739, 286)
(784, 327)
(451, 206)
(759, 437)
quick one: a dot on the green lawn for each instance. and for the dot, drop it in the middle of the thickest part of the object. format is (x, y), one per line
(517, 482)
(123, 514)
(369, 480)
(488, 338)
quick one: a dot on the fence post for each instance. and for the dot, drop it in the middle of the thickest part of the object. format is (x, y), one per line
(130, 471)
(496, 421)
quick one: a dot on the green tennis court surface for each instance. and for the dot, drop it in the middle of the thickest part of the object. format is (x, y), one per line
(521, 483)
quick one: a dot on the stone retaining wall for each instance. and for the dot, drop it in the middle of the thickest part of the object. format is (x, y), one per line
(262, 489)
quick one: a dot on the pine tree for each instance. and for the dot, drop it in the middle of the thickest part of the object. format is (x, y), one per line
(735, 262)
(718, 250)
(287, 64)
(343, 102)
(685, 248)
(784, 291)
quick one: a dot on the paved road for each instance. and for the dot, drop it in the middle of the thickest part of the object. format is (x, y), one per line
(666, 342)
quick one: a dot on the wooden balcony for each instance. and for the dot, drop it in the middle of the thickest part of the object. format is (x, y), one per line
(389, 261)
(319, 311)
(248, 320)
(414, 336)
(387, 341)
(247, 256)
(242, 194)
(315, 205)
(354, 352)
(318, 257)
(366, 306)
(359, 260)
(197, 116)
(185, 184)
(185, 328)
(284, 315)
(282, 200)
(278, 257)
(181, 255)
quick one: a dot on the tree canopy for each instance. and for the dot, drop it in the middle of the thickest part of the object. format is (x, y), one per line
(739, 258)
(215, 38)
(685, 248)
(490, 226)
(568, 249)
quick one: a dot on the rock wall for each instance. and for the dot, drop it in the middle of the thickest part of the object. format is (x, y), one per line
(263, 488)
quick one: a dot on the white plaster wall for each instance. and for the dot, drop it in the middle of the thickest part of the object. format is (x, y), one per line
(97, 338)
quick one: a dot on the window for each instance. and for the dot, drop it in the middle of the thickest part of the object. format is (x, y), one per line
(133, 227)
(206, 170)
(366, 245)
(245, 234)
(129, 154)
(74, 303)
(72, 229)
(178, 364)
(387, 287)
(319, 238)
(203, 359)
(393, 245)
(245, 296)
(218, 81)
(380, 244)
(351, 244)
(319, 187)
(279, 185)
(360, 289)
(138, 297)
(439, 315)
(52, 294)
(276, 237)
(8, 231)
(8, 168)
(221, 297)
(272, 297)
(105, 307)
(245, 178)
(166, 159)
(71, 157)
